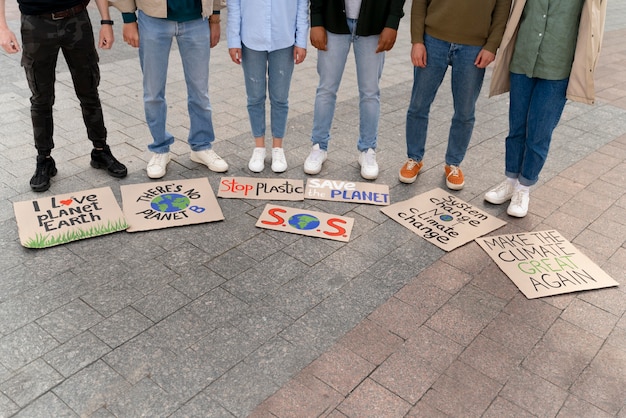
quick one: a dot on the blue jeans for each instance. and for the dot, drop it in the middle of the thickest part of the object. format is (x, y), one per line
(467, 80)
(535, 108)
(155, 41)
(278, 66)
(330, 66)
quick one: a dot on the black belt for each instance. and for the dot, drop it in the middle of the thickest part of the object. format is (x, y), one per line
(73, 11)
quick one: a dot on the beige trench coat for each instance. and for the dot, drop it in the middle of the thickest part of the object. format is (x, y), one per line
(158, 8)
(590, 33)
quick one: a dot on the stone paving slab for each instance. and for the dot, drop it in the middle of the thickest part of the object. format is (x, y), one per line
(225, 319)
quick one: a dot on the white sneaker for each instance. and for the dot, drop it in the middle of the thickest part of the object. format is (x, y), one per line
(209, 158)
(157, 166)
(502, 192)
(369, 166)
(257, 161)
(279, 163)
(519, 202)
(313, 163)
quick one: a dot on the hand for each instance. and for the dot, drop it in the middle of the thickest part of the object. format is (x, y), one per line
(299, 54)
(9, 41)
(484, 58)
(418, 55)
(130, 33)
(235, 55)
(318, 37)
(216, 31)
(386, 40)
(106, 37)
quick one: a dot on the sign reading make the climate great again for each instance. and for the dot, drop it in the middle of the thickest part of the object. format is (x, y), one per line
(60, 219)
(544, 263)
(169, 203)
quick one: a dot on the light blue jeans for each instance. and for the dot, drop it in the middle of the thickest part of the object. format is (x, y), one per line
(155, 41)
(467, 80)
(265, 70)
(535, 109)
(330, 66)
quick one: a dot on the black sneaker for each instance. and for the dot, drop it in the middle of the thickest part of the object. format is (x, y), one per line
(104, 159)
(40, 181)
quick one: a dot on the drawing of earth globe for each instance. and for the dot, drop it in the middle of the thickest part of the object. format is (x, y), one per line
(304, 221)
(446, 218)
(170, 202)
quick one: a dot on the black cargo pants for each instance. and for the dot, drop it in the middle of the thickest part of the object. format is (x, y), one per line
(42, 38)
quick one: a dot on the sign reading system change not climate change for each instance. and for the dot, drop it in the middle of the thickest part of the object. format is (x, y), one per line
(443, 219)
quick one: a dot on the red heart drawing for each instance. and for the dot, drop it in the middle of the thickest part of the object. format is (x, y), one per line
(66, 202)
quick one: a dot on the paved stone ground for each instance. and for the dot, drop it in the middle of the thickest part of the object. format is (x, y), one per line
(226, 319)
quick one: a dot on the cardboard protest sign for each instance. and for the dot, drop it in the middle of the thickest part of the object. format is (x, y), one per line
(306, 222)
(544, 263)
(443, 219)
(169, 203)
(263, 189)
(55, 220)
(347, 191)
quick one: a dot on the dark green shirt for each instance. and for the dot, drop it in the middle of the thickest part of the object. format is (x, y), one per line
(546, 41)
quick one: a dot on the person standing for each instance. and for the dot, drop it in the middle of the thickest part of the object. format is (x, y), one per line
(371, 27)
(47, 27)
(266, 37)
(462, 34)
(152, 29)
(548, 55)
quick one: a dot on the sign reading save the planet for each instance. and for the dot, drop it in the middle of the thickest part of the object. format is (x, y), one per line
(306, 222)
(55, 220)
(544, 263)
(347, 191)
(443, 219)
(169, 203)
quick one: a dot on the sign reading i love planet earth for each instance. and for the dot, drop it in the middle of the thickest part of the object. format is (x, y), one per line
(60, 219)
(170, 203)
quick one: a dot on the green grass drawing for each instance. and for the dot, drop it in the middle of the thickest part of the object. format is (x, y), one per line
(43, 241)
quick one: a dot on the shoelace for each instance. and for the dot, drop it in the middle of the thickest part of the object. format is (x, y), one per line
(278, 156)
(518, 196)
(369, 159)
(454, 171)
(410, 164)
(502, 187)
(317, 155)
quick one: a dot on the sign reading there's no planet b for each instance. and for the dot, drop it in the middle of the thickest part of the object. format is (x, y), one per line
(443, 219)
(544, 263)
(263, 189)
(347, 191)
(306, 222)
(55, 220)
(170, 203)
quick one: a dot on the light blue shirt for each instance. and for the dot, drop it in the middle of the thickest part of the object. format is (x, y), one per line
(267, 25)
